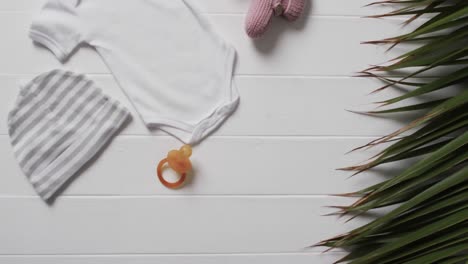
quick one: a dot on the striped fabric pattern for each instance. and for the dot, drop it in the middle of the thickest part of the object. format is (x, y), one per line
(60, 121)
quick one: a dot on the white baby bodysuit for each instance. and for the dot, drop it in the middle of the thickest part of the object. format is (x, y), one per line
(174, 68)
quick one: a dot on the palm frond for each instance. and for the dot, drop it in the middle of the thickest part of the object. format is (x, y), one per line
(430, 221)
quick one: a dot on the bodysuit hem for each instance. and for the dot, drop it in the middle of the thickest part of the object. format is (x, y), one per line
(192, 134)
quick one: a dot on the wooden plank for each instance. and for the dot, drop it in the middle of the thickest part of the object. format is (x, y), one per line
(222, 166)
(149, 225)
(316, 46)
(271, 106)
(281, 258)
(315, 7)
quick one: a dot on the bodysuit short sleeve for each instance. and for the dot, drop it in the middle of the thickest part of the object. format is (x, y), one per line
(58, 27)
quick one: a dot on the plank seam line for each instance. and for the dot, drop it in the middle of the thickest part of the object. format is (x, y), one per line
(334, 16)
(176, 254)
(243, 75)
(362, 17)
(176, 196)
(278, 137)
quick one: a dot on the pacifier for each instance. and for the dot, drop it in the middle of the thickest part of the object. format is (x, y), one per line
(179, 161)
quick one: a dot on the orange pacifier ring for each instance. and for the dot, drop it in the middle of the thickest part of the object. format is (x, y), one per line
(170, 185)
(179, 161)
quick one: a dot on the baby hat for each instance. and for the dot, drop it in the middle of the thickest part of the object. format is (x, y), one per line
(60, 121)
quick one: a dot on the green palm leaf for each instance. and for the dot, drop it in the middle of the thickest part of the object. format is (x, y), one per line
(429, 224)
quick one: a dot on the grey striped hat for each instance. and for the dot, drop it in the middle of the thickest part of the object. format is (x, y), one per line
(60, 121)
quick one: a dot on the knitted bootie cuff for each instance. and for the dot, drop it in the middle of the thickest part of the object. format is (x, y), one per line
(293, 9)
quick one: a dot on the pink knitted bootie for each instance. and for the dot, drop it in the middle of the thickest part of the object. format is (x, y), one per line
(258, 17)
(261, 12)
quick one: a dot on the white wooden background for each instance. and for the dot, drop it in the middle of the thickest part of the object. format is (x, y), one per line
(261, 181)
